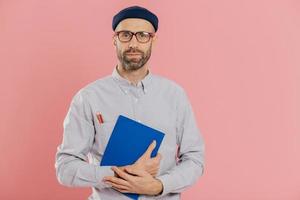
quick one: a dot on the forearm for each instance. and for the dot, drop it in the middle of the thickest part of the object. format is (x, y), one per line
(180, 177)
(74, 172)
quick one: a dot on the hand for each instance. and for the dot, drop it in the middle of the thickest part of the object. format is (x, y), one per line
(145, 162)
(140, 182)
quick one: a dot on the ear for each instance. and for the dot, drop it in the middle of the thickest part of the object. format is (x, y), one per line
(154, 40)
(114, 41)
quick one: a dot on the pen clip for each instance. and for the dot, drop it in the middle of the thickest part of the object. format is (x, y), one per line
(99, 117)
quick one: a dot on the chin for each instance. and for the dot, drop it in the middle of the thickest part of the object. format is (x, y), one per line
(133, 68)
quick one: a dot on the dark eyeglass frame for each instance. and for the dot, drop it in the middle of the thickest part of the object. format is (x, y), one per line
(134, 34)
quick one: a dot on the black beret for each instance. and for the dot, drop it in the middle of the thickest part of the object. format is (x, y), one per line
(135, 12)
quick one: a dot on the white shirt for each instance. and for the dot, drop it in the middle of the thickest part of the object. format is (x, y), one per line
(156, 102)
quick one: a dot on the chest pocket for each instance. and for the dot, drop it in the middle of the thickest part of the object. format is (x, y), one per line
(102, 134)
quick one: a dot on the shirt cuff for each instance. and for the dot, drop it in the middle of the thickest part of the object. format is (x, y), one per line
(101, 172)
(166, 185)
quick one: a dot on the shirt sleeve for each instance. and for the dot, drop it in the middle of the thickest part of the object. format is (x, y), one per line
(71, 164)
(190, 164)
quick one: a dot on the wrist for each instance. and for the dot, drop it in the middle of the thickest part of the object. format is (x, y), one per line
(159, 187)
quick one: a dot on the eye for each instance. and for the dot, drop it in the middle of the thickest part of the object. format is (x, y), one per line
(125, 34)
(142, 34)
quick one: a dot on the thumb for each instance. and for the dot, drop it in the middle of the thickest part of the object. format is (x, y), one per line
(149, 150)
(157, 158)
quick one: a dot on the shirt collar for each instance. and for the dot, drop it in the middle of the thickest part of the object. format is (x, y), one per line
(124, 83)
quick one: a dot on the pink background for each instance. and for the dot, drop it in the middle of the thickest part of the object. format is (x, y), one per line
(238, 60)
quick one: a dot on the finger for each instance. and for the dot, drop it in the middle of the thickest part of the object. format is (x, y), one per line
(123, 191)
(122, 168)
(149, 150)
(122, 174)
(117, 186)
(137, 172)
(116, 180)
(127, 171)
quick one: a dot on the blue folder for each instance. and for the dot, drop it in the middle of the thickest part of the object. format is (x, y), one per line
(127, 143)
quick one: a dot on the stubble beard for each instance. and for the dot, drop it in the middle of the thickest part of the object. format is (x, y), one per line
(132, 64)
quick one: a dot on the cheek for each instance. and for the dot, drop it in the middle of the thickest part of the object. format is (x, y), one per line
(119, 50)
(122, 48)
(147, 50)
(146, 47)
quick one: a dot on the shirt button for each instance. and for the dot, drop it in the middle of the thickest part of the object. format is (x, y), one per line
(126, 91)
(136, 99)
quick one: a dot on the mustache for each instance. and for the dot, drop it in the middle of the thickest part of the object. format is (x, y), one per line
(133, 51)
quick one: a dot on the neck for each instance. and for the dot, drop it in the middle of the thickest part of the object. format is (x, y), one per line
(133, 76)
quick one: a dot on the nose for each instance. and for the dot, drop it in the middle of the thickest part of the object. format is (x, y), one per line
(133, 42)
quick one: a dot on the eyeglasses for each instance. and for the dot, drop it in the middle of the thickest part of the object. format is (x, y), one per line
(141, 36)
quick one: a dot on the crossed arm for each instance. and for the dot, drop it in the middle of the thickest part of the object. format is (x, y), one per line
(73, 169)
(138, 178)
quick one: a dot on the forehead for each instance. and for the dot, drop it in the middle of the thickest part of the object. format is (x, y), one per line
(134, 25)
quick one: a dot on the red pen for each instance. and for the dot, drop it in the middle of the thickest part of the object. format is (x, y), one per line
(99, 117)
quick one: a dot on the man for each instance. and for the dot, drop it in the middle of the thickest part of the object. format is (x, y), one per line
(132, 90)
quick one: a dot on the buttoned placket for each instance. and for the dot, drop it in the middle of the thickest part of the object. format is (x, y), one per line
(135, 92)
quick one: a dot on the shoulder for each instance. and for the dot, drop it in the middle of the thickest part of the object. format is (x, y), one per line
(168, 85)
(93, 87)
(172, 92)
